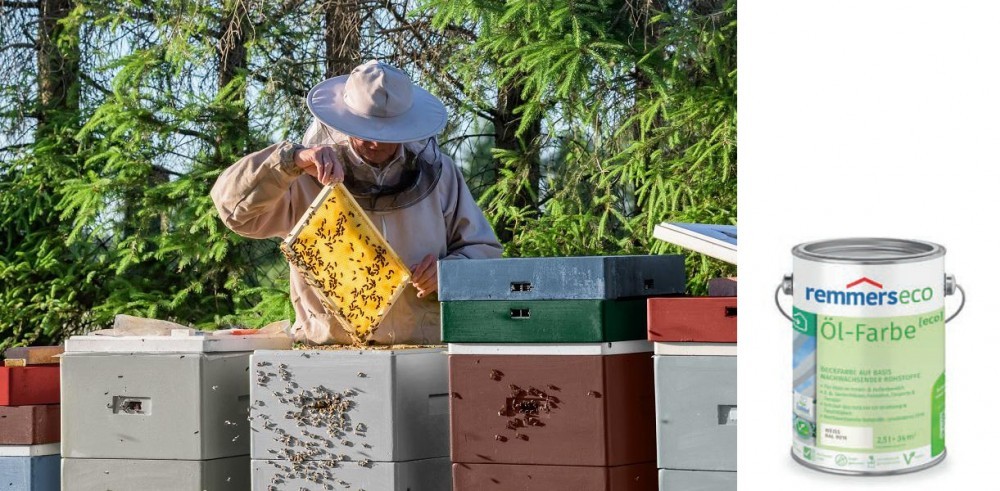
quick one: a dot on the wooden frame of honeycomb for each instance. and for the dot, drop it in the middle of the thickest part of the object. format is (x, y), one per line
(341, 254)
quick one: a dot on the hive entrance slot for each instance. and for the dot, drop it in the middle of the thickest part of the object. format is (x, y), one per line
(647, 284)
(131, 405)
(520, 286)
(730, 311)
(727, 415)
(520, 313)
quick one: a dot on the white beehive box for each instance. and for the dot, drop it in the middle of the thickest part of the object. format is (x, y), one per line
(363, 405)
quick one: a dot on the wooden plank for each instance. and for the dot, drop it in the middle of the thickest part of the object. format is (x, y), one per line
(25, 386)
(34, 355)
(543, 321)
(29, 425)
(695, 319)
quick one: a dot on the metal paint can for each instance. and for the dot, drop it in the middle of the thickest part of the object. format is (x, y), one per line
(868, 383)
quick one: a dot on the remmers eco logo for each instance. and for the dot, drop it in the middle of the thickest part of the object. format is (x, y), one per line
(868, 292)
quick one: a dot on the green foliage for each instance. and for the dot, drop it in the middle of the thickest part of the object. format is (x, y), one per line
(639, 108)
(624, 117)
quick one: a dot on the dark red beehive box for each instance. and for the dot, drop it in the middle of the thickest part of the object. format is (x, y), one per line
(571, 410)
(29, 425)
(24, 386)
(507, 477)
(692, 319)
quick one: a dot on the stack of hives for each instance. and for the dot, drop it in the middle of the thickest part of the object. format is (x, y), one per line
(29, 419)
(551, 375)
(349, 417)
(337, 418)
(158, 411)
(695, 361)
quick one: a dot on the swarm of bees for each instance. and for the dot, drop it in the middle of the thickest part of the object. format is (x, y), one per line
(323, 423)
(342, 255)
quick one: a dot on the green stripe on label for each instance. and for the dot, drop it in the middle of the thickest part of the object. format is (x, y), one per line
(804, 322)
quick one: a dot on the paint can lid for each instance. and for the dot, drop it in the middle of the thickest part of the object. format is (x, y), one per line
(868, 250)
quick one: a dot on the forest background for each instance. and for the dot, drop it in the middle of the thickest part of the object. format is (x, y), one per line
(578, 124)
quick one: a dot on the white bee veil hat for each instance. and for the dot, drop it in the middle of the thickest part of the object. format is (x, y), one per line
(377, 102)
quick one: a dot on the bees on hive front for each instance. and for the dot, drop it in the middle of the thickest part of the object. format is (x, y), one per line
(341, 254)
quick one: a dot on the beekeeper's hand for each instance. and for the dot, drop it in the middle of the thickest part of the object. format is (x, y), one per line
(425, 276)
(321, 162)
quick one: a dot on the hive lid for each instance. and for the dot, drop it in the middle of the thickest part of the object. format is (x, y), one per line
(561, 278)
(180, 341)
(341, 254)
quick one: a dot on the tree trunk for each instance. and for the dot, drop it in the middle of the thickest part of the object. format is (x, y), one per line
(233, 132)
(58, 65)
(341, 35)
(505, 128)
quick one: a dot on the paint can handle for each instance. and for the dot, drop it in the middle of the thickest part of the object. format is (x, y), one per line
(950, 285)
(784, 287)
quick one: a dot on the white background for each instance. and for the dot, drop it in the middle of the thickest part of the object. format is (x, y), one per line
(869, 119)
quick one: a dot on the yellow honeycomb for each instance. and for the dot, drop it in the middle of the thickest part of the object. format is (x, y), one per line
(342, 254)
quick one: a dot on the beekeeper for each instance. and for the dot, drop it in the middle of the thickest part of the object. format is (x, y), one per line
(374, 131)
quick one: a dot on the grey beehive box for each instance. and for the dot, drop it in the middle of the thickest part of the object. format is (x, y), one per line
(697, 480)
(379, 405)
(155, 405)
(228, 474)
(696, 412)
(415, 475)
(561, 278)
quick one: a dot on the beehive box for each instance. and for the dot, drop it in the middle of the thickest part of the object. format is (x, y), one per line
(560, 408)
(697, 480)
(367, 405)
(39, 473)
(476, 477)
(696, 412)
(29, 385)
(228, 474)
(184, 397)
(29, 425)
(543, 321)
(414, 475)
(695, 319)
(561, 278)
(343, 256)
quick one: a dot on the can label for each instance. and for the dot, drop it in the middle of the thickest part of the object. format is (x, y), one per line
(868, 389)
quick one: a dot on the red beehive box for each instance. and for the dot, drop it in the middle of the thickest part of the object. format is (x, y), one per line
(24, 386)
(506, 477)
(29, 425)
(692, 319)
(569, 410)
